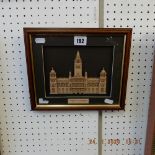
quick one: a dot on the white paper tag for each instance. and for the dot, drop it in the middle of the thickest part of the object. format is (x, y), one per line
(108, 101)
(80, 40)
(42, 101)
(40, 40)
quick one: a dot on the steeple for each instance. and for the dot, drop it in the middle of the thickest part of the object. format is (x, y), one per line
(78, 55)
(78, 58)
(78, 65)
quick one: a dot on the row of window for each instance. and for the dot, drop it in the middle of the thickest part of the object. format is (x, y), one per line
(76, 84)
(79, 90)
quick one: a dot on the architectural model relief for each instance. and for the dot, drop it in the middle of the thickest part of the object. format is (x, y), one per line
(78, 83)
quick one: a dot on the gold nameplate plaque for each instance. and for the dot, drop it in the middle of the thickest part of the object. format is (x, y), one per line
(77, 69)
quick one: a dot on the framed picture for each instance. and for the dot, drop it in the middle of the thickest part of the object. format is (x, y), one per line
(78, 68)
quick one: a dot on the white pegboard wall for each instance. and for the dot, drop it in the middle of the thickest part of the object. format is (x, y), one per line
(53, 13)
(129, 126)
(25, 132)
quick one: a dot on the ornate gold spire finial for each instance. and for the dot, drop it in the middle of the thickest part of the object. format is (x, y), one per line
(78, 55)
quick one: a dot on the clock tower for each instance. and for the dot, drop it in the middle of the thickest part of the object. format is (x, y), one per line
(78, 65)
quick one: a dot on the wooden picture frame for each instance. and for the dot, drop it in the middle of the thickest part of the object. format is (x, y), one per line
(77, 68)
(150, 134)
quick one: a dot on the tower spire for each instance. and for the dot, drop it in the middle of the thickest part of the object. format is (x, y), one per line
(78, 55)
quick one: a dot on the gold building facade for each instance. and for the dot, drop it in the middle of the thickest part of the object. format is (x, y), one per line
(78, 84)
